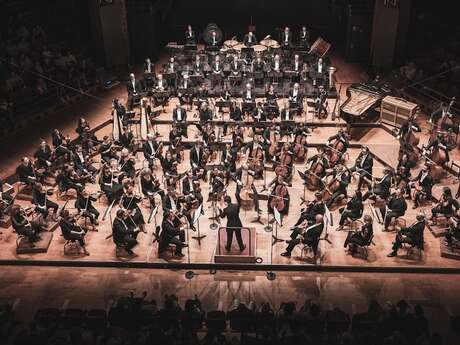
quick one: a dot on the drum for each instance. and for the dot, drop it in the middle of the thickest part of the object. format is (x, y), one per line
(269, 43)
(230, 43)
(238, 47)
(259, 48)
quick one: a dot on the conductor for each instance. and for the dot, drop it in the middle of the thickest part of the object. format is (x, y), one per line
(234, 225)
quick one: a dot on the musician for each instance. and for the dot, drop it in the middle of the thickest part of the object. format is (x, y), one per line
(61, 143)
(255, 154)
(205, 115)
(381, 187)
(403, 173)
(23, 226)
(127, 163)
(258, 114)
(352, 211)
(127, 138)
(5, 199)
(109, 184)
(67, 179)
(409, 126)
(276, 64)
(170, 201)
(42, 203)
(190, 36)
(197, 65)
(197, 159)
(179, 117)
(443, 113)
(234, 224)
(286, 38)
(214, 41)
(341, 136)
(320, 95)
(453, 232)
(319, 157)
(151, 149)
(235, 66)
(129, 201)
(235, 112)
(278, 181)
(441, 144)
(310, 236)
(396, 207)
(171, 234)
(134, 88)
(149, 67)
(295, 98)
(26, 172)
(304, 38)
(412, 235)
(150, 185)
(185, 94)
(258, 67)
(363, 166)
(296, 64)
(71, 231)
(249, 39)
(342, 176)
(248, 99)
(82, 162)
(423, 183)
(271, 104)
(447, 206)
(124, 232)
(44, 156)
(217, 71)
(360, 238)
(216, 184)
(228, 161)
(172, 66)
(169, 166)
(84, 205)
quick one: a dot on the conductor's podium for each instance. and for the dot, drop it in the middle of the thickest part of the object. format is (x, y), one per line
(248, 255)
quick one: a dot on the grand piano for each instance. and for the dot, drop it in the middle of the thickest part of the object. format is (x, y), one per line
(362, 106)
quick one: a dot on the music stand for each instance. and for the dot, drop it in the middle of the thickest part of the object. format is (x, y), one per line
(304, 178)
(214, 225)
(196, 220)
(153, 215)
(277, 217)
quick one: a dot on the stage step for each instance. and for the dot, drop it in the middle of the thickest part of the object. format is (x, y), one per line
(448, 252)
(41, 246)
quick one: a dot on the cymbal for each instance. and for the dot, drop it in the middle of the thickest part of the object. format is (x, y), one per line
(269, 43)
(239, 46)
(230, 43)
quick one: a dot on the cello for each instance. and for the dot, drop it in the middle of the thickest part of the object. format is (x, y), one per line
(300, 145)
(314, 175)
(279, 198)
(283, 167)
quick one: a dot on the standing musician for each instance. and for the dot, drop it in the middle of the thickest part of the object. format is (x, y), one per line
(235, 67)
(249, 39)
(412, 235)
(304, 38)
(124, 232)
(84, 205)
(129, 201)
(149, 66)
(134, 88)
(442, 118)
(151, 149)
(197, 66)
(353, 210)
(71, 231)
(234, 224)
(423, 184)
(310, 236)
(190, 36)
(406, 129)
(214, 41)
(447, 206)
(363, 166)
(23, 226)
(340, 181)
(198, 160)
(395, 207)
(41, 202)
(286, 38)
(361, 237)
(171, 234)
(381, 187)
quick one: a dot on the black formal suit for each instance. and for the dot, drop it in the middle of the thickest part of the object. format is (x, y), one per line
(124, 233)
(426, 182)
(187, 186)
(359, 238)
(234, 225)
(25, 228)
(310, 237)
(43, 156)
(246, 40)
(85, 206)
(71, 231)
(396, 208)
(196, 157)
(26, 173)
(149, 67)
(133, 87)
(150, 150)
(412, 235)
(168, 204)
(363, 165)
(309, 214)
(171, 233)
(42, 203)
(381, 188)
(183, 115)
(353, 210)
(286, 39)
(190, 37)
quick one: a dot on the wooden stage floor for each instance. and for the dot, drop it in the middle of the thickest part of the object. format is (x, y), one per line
(333, 255)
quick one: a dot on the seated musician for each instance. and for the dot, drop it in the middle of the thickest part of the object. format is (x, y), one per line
(412, 235)
(441, 115)
(403, 174)
(381, 187)
(171, 234)
(151, 149)
(26, 172)
(23, 226)
(71, 231)
(149, 66)
(342, 137)
(255, 154)
(198, 160)
(150, 185)
(109, 183)
(5, 199)
(447, 206)
(310, 236)
(453, 232)
(172, 66)
(216, 183)
(197, 66)
(214, 40)
(61, 143)
(130, 202)
(44, 156)
(284, 160)
(235, 66)
(286, 37)
(409, 126)
(248, 99)
(320, 95)
(352, 211)
(185, 92)
(149, 74)
(42, 203)
(342, 176)
(127, 163)
(304, 38)
(124, 231)
(160, 88)
(313, 208)
(107, 150)
(278, 181)
(228, 161)
(258, 114)
(320, 69)
(319, 157)
(249, 39)
(82, 162)
(441, 144)
(276, 64)
(297, 64)
(363, 166)
(359, 238)
(295, 99)
(67, 179)
(423, 185)
(84, 205)
(179, 118)
(120, 109)
(190, 36)
(395, 207)
(235, 112)
(169, 165)
(217, 71)
(127, 138)
(134, 88)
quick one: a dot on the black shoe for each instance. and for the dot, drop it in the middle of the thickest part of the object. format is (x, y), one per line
(180, 255)
(242, 248)
(129, 251)
(392, 254)
(227, 249)
(286, 254)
